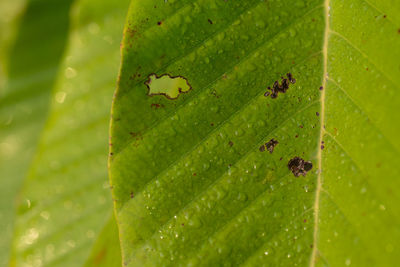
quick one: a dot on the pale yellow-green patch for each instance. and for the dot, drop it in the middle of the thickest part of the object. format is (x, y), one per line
(170, 87)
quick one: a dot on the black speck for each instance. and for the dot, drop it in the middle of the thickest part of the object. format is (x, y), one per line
(210, 21)
(317, 113)
(159, 23)
(321, 88)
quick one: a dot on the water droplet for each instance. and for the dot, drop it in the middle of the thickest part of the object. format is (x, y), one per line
(70, 73)
(60, 97)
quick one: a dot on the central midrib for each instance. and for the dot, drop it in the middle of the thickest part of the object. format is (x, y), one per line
(321, 134)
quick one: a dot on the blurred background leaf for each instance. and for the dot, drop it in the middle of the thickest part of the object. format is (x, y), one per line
(65, 201)
(31, 52)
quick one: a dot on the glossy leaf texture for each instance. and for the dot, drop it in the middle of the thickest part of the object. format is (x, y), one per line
(64, 215)
(192, 186)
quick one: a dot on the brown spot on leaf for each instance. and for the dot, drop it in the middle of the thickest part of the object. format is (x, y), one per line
(271, 144)
(230, 143)
(262, 148)
(299, 166)
(280, 87)
(156, 105)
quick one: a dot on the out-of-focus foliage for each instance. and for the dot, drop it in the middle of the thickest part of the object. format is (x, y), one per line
(61, 69)
(31, 51)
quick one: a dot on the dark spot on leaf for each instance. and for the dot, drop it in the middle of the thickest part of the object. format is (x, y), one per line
(321, 88)
(214, 93)
(132, 194)
(299, 167)
(230, 143)
(156, 105)
(194, 174)
(384, 16)
(210, 21)
(212, 124)
(301, 126)
(133, 134)
(159, 23)
(271, 144)
(262, 148)
(322, 146)
(280, 87)
(317, 113)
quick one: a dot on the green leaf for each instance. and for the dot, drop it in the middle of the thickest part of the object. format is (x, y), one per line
(106, 251)
(24, 93)
(193, 178)
(65, 201)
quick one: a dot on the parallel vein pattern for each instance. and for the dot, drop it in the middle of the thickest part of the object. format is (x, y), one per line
(356, 214)
(201, 151)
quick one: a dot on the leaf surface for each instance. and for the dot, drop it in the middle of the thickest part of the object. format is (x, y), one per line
(191, 181)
